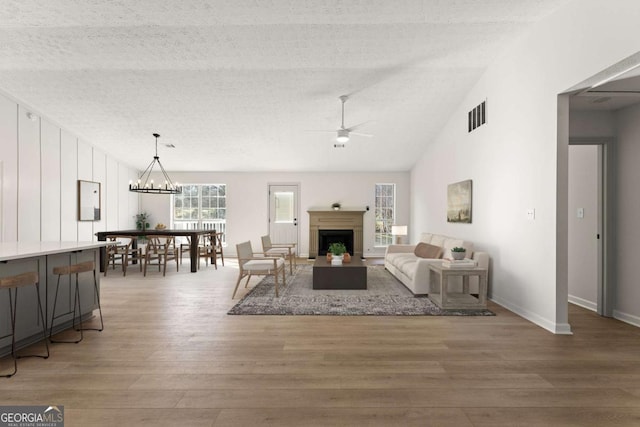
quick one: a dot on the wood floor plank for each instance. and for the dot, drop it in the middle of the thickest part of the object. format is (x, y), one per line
(419, 398)
(566, 417)
(139, 417)
(371, 417)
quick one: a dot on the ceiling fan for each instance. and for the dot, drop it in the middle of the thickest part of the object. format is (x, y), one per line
(344, 133)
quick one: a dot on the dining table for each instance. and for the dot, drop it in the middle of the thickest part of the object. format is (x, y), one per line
(193, 235)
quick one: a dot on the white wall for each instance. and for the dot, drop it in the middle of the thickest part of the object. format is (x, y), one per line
(627, 303)
(247, 201)
(515, 159)
(40, 165)
(592, 124)
(583, 249)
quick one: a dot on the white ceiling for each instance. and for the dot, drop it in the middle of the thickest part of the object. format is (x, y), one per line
(237, 85)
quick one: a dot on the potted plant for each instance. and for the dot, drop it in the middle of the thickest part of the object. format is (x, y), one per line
(142, 221)
(458, 253)
(337, 250)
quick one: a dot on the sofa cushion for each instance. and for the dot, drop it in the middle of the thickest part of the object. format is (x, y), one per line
(426, 237)
(425, 250)
(401, 260)
(437, 240)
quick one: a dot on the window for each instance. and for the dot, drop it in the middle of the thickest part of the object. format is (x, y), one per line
(284, 207)
(385, 211)
(201, 206)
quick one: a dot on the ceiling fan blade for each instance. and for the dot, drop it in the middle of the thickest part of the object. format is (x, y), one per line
(361, 134)
(354, 127)
(317, 130)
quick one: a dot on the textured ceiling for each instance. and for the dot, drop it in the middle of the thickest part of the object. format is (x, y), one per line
(238, 85)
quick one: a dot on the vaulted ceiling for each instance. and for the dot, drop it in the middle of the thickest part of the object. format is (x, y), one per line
(243, 85)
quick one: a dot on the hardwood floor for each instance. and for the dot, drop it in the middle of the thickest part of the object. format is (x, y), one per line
(169, 355)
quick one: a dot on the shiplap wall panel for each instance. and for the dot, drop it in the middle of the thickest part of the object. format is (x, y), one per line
(68, 187)
(28, 177)
(85, 173)
(100, 175)
(9, 169)
(50, 185)
(111, 195)
(128, 201)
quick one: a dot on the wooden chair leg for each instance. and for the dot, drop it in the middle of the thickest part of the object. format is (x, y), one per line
(237, 284)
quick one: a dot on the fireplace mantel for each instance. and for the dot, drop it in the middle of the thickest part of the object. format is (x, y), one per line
(329, 219)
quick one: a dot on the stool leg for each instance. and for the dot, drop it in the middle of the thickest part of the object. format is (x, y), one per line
(55, 303)
(77, 301)
(13, 303)
(12, 312)
(53, 315)
(95, 286)
(44, 326)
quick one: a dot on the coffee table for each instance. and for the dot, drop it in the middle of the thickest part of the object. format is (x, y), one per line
(352, 275)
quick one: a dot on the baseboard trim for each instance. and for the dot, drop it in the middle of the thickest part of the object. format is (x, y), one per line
(556, 328)
(626, 318)
(589, 305)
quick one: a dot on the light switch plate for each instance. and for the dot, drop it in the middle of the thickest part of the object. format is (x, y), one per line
(531, 213)
(580, 212)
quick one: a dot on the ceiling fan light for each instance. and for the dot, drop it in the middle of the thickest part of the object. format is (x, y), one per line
(343, 136)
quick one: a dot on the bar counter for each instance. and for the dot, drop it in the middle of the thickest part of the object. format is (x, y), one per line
(43, 257)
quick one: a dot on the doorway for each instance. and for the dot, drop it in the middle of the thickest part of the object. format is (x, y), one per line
(284, 213)
(587, 285)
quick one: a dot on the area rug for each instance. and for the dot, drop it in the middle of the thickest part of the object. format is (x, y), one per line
(384, 296)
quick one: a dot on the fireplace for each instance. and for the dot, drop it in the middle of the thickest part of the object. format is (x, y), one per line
(336, 222)
(327, 237)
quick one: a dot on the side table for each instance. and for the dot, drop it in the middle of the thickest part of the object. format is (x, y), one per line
(457, 300)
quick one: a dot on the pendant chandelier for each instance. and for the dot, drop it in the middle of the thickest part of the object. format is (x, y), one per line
(146, 185)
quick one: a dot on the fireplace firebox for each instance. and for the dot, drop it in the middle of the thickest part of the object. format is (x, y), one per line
(327, 237)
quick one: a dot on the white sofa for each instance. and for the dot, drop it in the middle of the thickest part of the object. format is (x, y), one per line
(413, 271)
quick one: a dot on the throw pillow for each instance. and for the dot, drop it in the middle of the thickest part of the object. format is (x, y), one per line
(425, 250)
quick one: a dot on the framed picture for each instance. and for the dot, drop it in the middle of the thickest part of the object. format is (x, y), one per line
(459, 202)
(88, 201)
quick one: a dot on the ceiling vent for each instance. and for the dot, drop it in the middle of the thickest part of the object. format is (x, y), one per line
(478, 116)
(602, 99)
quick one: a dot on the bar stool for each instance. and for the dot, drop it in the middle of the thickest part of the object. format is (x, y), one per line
(13, 283)
(68, 270)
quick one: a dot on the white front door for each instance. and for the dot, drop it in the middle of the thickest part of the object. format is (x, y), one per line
(283, 213)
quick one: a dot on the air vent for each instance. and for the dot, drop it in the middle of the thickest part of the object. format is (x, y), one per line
(478, 116)
(602, 99)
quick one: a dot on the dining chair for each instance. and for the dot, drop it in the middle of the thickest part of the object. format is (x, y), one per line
(184, 247)
(120, 251)
(249, 265)
(206, 249)
(159, 250)
(217, 246)
(286, 250)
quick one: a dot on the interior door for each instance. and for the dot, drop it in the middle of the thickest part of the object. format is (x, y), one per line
(588, 286)
(283, 213)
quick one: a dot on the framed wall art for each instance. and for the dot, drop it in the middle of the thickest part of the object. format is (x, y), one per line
(459, 198)
(88, 201)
